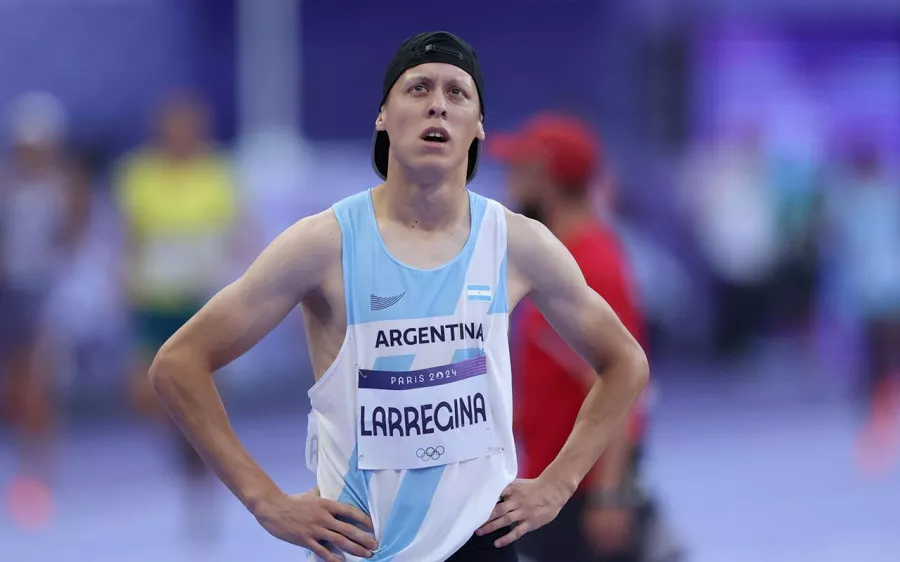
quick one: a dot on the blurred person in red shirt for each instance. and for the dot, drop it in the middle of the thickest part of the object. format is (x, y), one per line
(553, 163)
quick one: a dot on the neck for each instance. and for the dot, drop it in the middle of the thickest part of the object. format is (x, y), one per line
(426, 203)
(566, 218)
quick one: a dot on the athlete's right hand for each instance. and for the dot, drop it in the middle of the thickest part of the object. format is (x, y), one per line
(308, 520)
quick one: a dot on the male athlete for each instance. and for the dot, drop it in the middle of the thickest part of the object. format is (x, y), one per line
(554, 162)
(405, 290)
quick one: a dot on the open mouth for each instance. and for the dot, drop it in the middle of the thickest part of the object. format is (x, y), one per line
(435, 134)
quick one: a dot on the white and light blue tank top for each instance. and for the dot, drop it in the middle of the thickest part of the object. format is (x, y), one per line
(412, 423)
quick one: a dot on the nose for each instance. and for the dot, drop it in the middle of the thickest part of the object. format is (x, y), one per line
(438, 106)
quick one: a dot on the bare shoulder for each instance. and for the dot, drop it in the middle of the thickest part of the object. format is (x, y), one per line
(296, 264)
(309, 249)
(536, 259)
(525, 236)
(316, 236)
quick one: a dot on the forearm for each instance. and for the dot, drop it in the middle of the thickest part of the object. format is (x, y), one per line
(600, 421)
(611, 470)
(189, 393)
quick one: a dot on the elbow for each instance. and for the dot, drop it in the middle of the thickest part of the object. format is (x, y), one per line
(168, 364)
(161, 368)
(177, 363)
(638, 367)
(627, 368)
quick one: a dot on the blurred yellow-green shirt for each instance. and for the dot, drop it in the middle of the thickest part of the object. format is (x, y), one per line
(179, 214)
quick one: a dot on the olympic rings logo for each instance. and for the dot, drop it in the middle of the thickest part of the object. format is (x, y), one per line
(431, 453)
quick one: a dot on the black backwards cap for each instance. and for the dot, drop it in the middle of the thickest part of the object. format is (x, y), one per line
(433, 46)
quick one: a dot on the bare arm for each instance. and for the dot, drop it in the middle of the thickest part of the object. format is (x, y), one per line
(588, 324)
(609, 472)
(230, 324)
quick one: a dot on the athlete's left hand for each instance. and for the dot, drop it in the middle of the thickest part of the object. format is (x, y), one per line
(526, 505)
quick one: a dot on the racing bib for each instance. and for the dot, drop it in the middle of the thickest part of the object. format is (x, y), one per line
(428, 417)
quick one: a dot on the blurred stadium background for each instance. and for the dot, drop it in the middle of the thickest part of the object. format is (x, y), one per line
(754, 147)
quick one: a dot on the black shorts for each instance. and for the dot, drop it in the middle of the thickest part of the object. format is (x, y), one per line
(482, 549)
(562, 539)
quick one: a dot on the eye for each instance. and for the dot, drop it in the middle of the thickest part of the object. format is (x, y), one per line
(457, 91)
(419, 88)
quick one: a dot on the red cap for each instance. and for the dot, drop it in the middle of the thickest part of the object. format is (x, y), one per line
(568, 147)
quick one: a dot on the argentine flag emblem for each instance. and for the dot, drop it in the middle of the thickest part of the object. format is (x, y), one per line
(479, 293)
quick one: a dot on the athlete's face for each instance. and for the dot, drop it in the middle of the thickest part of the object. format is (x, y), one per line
(432, 115)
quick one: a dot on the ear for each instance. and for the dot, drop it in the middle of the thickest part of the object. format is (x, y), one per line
(480, 134)
(379, 122)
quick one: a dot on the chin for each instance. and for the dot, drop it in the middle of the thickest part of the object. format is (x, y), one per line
(433, 167)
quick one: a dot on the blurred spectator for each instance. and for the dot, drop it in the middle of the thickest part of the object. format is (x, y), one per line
(180, 204)
(553, 162)
(795, 173)
(44, 208)
(863, 221)
(736, 221)
(791, 231)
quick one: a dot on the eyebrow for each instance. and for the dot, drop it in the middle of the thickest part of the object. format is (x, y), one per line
(460, 82)
(419, 78)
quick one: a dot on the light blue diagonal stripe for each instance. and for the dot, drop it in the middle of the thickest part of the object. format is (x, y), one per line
(356, 485)
(394, 363)
(467, 353)
(416, 491)
(408, 511)
(356, 481)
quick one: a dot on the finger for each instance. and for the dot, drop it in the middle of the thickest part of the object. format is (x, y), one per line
(354, 534)
(346, 544)
(319, 550)
(500, 522)
(500, 510)
(350, 512)
(511, 489)
(513, 535)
